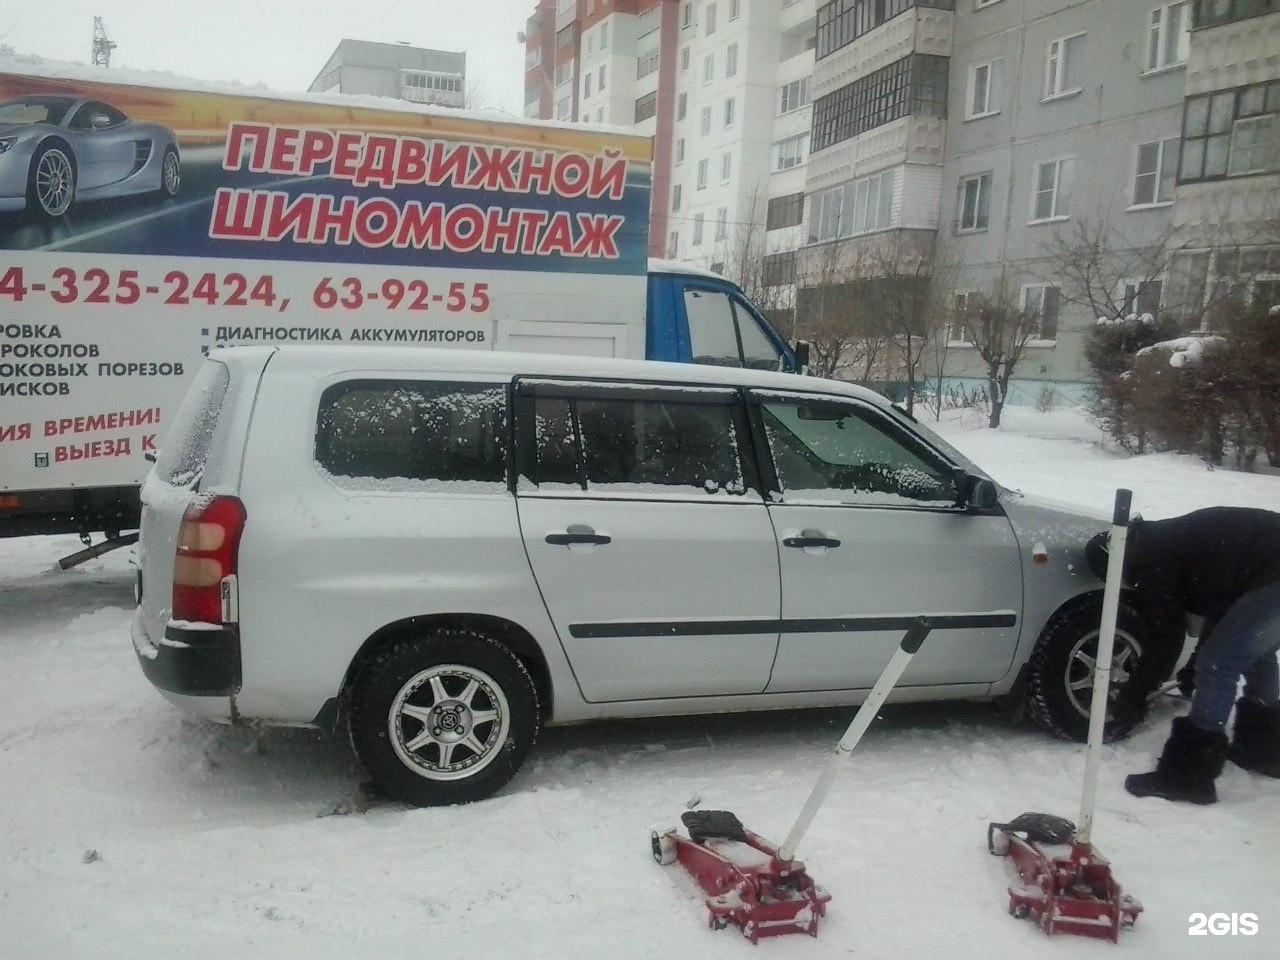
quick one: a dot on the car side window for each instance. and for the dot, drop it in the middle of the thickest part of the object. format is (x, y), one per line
(723, 332)
(397, 430)
(837, 452)
(95, 115)
(634, 445)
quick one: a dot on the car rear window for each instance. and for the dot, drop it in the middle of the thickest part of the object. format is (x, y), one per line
(182, 456)
(413, 430)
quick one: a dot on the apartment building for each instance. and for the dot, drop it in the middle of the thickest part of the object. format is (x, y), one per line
(813, 150)
(395, 70)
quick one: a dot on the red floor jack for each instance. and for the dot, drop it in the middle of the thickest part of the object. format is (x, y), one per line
(750, 882)
(1064, 883)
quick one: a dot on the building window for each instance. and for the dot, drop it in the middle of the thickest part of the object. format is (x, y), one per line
(791, 152)
(604, 35)
(680, 150)
(1156, 173)
(697, 229)
(602, 66)
(962, 301)
(422, 80)
(677, 194)
(682, 106)
(844, 21)
(591, 44)
(673, 244)
(1231, 133)
(686, 15)
(586, 86)
(735, 9)
(647, 63)
(705, 127)
(729, 106)
(708, 68)
(793, 96)
(649, 21)
(1063, 67)
(564, 107)
(916, 84)
(857, 207)
(785, 211)
(684, 59)
(702, 174)
(1040, 309)
(711, 19)
(731, 60)
(565, 37)
(564, 73)
(1138, 297)
(778, 269)
(726, 167)
(984, 90)
(646, 106)
(1210, 13)
(1052, 199)
(1169, 35)
(975, 203)
(722, 223)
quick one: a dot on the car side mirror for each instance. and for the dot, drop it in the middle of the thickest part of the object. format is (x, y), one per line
(801, 349)
(975, 493)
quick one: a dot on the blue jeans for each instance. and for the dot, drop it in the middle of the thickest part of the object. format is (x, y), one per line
(1244, 642)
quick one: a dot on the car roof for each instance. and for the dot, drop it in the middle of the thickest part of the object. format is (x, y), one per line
(332, 359)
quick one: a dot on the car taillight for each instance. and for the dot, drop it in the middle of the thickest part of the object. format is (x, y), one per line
(208, 542)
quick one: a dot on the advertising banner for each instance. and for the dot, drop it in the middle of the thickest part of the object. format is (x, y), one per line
(141, 226)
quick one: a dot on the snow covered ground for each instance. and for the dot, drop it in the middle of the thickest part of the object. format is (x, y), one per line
(128, 830)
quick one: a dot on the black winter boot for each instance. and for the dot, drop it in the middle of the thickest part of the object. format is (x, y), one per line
(1255, 742)
(1191, 761)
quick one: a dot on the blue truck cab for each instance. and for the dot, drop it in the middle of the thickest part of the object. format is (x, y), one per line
(696, 316)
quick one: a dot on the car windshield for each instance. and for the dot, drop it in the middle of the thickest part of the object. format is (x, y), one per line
(34, 110)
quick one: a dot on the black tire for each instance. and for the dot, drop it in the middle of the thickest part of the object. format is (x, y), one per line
(51, 180)
(170, 173)
(453, 678)
(1060, 675)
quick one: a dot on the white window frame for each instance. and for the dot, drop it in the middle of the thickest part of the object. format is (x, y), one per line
(802, 96)
(682, 106)
(586, 85)
(684, 59)
(1267, 146)
(602, 67)
(735, 9)
(1056, 66)
(959, 302)
(730, 112)
(708, 69)
(722, 223)
(726, 167)
(963, 196)
(991, 101)
(604, 36)
(1158, 27)
(705, 125)
(1059, 208)
(1163, 162)
(702, 173)
(687, 15)
(731, 60)
(698, 220)
(677, 195)
(648, 63)
(673, 244)
(680, 150)
(1130, 289)
(801, 153)
(711, 19)
(1022, 305)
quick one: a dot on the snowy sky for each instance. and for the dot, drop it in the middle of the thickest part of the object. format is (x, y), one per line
(281, 43)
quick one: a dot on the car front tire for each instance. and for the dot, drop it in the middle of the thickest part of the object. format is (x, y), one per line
(170, 173)
(51, 181)
(443, 719)
(1060, 678)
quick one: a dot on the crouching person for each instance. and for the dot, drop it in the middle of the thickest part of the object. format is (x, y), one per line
(1221, 563)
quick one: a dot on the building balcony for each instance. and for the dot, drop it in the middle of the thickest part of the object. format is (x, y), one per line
(797, 16)
(920, 30)
(1234, 54)
(912, 139)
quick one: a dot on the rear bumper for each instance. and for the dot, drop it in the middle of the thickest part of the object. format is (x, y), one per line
(191, 662)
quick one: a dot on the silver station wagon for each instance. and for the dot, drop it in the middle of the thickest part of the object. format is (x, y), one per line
(445, 550)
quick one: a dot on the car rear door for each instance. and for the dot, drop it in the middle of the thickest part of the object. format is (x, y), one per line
(648, 537)
(869, 537)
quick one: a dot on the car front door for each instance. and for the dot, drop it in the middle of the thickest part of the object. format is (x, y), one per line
(104, 152)
(870, 537)
(648, 537)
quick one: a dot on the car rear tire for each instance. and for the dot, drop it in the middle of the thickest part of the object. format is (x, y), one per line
(443, 719)
(1060, 678)
(170, 173)
(51, 180)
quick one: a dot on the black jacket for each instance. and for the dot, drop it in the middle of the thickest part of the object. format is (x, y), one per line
(1203, 561)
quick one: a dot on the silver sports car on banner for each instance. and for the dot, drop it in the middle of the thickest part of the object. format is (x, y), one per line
(55, 150)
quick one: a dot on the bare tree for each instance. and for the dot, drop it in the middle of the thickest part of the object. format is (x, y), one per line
(746, 257)
(999, 328)
(837, 317)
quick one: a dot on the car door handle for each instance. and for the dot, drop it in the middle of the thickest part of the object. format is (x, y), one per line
(564, 539)
(810, 542)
